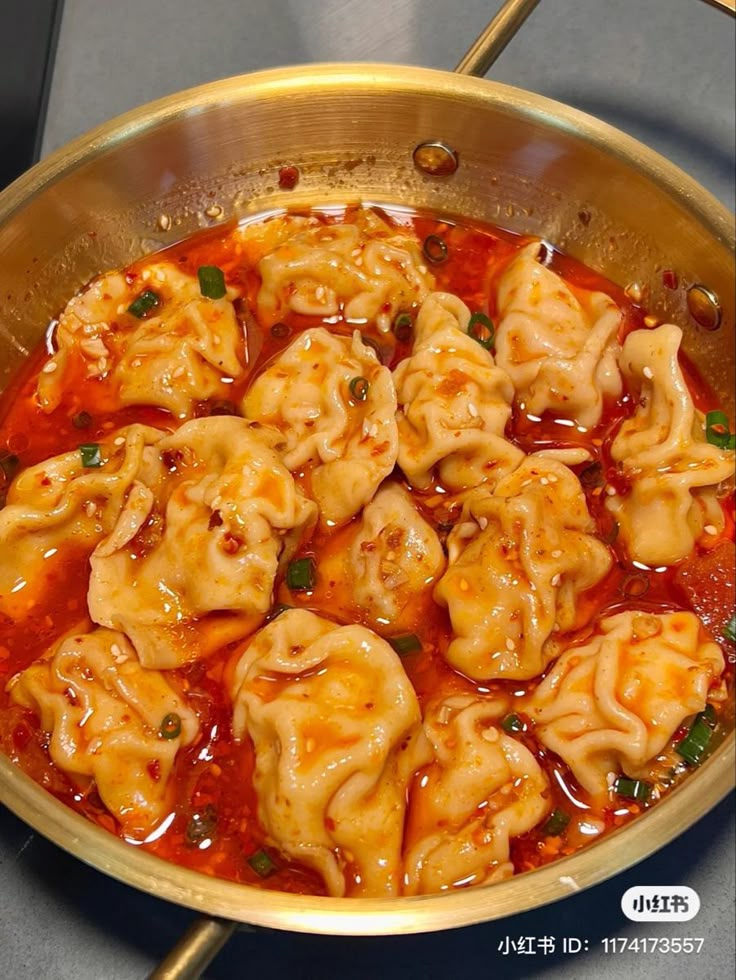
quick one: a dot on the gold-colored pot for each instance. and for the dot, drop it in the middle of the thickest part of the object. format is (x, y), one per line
(529, 164)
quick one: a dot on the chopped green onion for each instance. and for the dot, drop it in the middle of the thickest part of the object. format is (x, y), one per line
(402, 327)
(91, 456)
(201, 825)
(481, 328)
(374, 345)
(592, 476)
(359, 388)
(280, 330)
(556, 824)
(708, 714)
(512, 723)
(211, 281)
(694, 745)
(223, 406)
(729, 630)
(435, 249)
(82, 420)
(404, 645)
(632, 789)
(143, 304)
(262, 864)
(170, 726)
(717, 431)
(301, 574)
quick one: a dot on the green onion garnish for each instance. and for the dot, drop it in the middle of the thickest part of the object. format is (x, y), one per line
(481, 328)
(632, 789)
(301, 574)
(170, 726)
(201, 825)
(717, 431)
(262, 864)
(280, 330)
(592, 476)
(435, 249)
(402, 327)
(359, 388)
(708, 714)
(211, 281)
(403, 645)
(729, 630)
(91, 456)
(634, 586)
(556, 824)
(82, 420)
(143, 304)
(694, 745)
(512, 723)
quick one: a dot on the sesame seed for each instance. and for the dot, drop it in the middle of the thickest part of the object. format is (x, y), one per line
(90, 508)
(647, 372)
(544, 481)
(164, 222)
(489, 735)
(216, 339)
(472, 410)
(464, 586)
(557, 553)
(651, 321)
(177, 372)
(115, 650)
(711, 529)
(611, 491)
(356, 252)
(556, 579)
(146, 275)
(310, 745)
(510, 645)
(120, 441)
(50, 367)
(422, 270)
(136, 362)
(482, 523)
(320, 293)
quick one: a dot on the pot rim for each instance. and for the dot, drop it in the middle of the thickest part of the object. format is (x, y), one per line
(361, 916)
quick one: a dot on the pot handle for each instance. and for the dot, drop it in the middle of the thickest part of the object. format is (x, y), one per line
(486, 49)
(196, 949)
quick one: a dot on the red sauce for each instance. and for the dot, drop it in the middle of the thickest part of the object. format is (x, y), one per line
(214, 827)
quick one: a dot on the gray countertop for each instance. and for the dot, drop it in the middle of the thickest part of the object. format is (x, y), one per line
(663, 70)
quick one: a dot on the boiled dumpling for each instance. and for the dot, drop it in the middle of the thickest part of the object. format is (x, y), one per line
(558, 347)
(110, 721)
(663, 453)
(519, 559)
(394, 559)
(366, 270)
(173, 356)
(482, 789)
(613, 703)
(207, 535)
(61, 506)
(336, 406)
(335, 725)
(454, 403)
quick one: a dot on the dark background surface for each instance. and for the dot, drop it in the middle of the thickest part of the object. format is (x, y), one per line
(663, 70)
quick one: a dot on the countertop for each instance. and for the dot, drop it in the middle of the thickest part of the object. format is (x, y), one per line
(662, 70)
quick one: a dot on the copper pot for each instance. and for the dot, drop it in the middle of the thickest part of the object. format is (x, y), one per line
(210, 154)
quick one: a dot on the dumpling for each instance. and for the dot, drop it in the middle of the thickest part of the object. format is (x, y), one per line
(110, 721)
(663, 453)
(454, 403)
(172, 356)
(394, 559)
(336, 408)
(482, 789)
(207, 535)
(335, 724)
(61, 505)
(613, 703)
(558, 347)
(366, 269)
(519, 559)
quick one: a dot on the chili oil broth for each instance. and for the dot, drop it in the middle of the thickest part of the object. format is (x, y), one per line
(213, 825)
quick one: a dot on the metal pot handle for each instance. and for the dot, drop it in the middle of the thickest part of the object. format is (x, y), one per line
(489, 45)
(206, 936)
